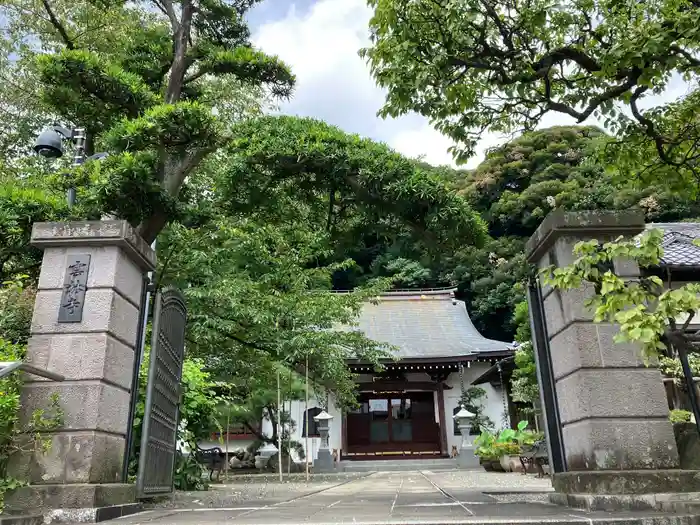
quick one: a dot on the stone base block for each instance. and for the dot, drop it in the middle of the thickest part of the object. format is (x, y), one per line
(620, 444)
(90, 515)
(467, 458)
(73, 457)
(626, 482)
(28, 519)
(74, 496)
(324, 461)
(667, 502)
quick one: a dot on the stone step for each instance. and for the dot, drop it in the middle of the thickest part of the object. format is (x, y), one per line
(26, 519)
(397, 465)
(682, 506)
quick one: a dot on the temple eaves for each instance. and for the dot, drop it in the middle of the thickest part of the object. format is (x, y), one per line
(426, 325)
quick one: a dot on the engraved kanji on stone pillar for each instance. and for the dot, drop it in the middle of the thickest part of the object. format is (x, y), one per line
(84, 327)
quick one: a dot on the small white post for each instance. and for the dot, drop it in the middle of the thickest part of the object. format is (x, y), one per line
(228, 427)
(306, 416)
(279, 424)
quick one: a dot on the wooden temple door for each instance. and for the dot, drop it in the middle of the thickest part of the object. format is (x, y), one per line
(393, 424)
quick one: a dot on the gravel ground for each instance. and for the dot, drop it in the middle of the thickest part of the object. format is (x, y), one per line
(489, 482)
(255, 489)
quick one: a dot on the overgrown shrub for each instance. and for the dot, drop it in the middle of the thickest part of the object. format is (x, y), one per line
(14, 438)
(680, 416)
(16, 305)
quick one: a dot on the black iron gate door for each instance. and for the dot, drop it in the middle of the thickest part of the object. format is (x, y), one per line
(160, 420)
(545, 378)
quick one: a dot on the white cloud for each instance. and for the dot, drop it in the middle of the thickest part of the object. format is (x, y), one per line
(334, 84)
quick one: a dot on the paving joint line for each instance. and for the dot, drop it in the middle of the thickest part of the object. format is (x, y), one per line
(396, 497)
(171, 512)
(445, 493)
(292, 500)
(369, 474)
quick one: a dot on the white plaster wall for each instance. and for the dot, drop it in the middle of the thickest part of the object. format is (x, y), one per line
(233, 445)
(493, 401)
(335, 439)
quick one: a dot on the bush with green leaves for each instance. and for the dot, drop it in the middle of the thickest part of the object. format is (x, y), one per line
(472, 400)
(16, 305)
(15, 437)
(680, 416)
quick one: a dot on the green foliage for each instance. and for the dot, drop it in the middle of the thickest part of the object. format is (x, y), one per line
(22, 203)
(521, 181)
(484, 443)
(643, 308)
(525, 387)
(257, 295)
(143, 91)
(202, 401)
(524, 384)
(16, 309)
(680, 416)
(671, 367)
(517, 184)
(507, 441)
(521, 319)
(333, 173)
(472, 400)
(75, 80)
(17, 436)
(474, 67)
(189, 473)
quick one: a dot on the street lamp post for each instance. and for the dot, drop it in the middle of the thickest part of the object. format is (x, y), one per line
(49, 144)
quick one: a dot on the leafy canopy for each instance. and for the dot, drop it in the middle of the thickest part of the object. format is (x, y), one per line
(145, 92)
(340, 178)
(500, 65)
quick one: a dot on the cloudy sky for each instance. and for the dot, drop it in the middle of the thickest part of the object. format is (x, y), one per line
(319, 40)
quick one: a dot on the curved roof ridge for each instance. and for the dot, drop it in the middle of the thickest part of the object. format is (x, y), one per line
(427, 328)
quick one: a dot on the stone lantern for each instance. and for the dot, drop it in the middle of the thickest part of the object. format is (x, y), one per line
(324, 459)
(466, 457)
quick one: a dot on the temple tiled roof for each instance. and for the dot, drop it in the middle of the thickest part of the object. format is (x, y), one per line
(679, 250)
(426, 325)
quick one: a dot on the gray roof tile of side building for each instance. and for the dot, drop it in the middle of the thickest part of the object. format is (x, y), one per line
(677, 243)
(425, 325)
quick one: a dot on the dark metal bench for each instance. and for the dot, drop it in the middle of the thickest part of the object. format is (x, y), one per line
(535, 456)
(212, 459)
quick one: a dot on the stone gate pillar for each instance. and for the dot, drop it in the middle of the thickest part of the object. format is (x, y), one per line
(612, 408)
(84, 327)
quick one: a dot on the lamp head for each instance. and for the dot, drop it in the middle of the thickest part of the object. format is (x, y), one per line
(49, 144)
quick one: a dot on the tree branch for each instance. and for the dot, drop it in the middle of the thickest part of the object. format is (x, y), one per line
(687, 322)
(167, 7)
(258, 434)
(56, 23)
(181, 38)
(273, 421)
(563, 54)
(648, 124)
(694, 62)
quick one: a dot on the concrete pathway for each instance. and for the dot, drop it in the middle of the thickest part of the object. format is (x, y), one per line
(405, 498)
